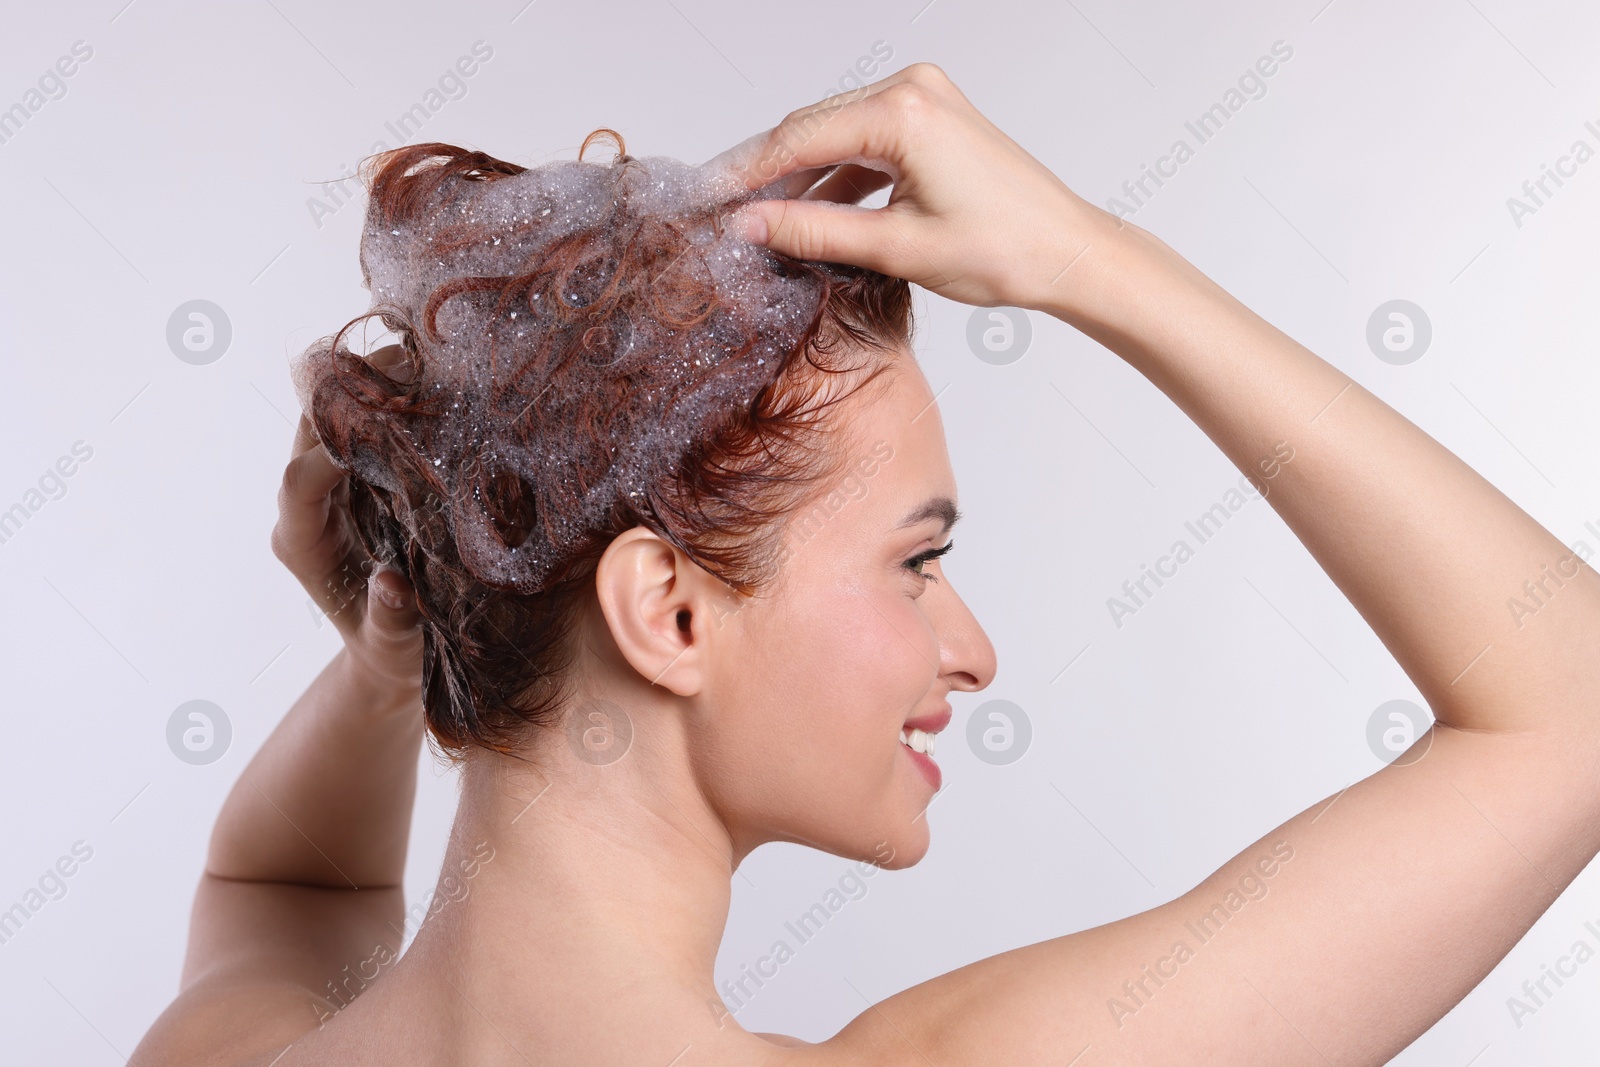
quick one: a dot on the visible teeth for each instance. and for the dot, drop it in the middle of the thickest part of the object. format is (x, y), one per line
(917, 741)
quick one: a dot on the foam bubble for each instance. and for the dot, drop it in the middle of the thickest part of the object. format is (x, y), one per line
(549, 419)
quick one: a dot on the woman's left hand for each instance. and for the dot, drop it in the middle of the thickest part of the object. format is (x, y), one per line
(972, 216)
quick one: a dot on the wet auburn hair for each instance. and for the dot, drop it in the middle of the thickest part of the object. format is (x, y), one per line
(498, 642)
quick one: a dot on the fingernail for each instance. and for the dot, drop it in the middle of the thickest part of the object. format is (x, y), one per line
(754, 225)
(387, 592)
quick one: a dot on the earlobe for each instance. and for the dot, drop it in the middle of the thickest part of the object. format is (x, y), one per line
(647, 597)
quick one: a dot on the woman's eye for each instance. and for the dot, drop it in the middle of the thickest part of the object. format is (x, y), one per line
(921, 559)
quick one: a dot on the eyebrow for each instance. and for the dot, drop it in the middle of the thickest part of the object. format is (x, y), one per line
(942, 508)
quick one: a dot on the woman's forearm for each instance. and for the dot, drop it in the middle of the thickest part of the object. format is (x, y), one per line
(327, 800)
(1426, 550)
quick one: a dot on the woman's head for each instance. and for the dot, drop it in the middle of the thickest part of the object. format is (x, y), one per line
(591, 370)
(802, 691)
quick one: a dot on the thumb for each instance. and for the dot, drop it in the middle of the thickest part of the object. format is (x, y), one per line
(391, 602)
(819, 230)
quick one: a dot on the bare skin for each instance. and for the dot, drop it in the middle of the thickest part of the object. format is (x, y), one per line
(590, 933)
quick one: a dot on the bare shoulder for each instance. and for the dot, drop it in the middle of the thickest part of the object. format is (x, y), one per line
(239, 1023)
(260, 957)
(1263, 960)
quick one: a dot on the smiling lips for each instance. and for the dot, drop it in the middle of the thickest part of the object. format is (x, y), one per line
(917, 736)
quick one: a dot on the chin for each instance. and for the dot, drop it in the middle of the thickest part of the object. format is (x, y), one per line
(908, 851)
(892, 841)
(900, 842)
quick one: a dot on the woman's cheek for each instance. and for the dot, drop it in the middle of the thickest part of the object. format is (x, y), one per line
(906, 636)
(890, 643)
(860, 629)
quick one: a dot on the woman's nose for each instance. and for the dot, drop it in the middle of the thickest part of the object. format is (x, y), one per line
(966, 655)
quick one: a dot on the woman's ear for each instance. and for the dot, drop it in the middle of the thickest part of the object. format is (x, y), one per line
(656, 602)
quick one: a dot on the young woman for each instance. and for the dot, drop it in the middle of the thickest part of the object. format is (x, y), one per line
(709, 680)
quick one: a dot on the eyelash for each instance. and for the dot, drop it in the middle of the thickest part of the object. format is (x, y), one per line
(926, 557)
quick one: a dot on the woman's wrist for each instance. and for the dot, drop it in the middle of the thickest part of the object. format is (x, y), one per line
(1104, 262)
(363, 691)
(1130, 291)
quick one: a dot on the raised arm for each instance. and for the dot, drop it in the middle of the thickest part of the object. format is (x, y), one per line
(327, 799)
(1350, 929)
(302, 885)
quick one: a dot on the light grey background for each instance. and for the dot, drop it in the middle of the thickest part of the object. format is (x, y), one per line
(1377, 166)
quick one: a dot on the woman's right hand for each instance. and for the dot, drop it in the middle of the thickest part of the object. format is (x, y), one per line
(971, 216)
(373, 607)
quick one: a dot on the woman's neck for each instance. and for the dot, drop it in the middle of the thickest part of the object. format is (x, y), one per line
(583, 892)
